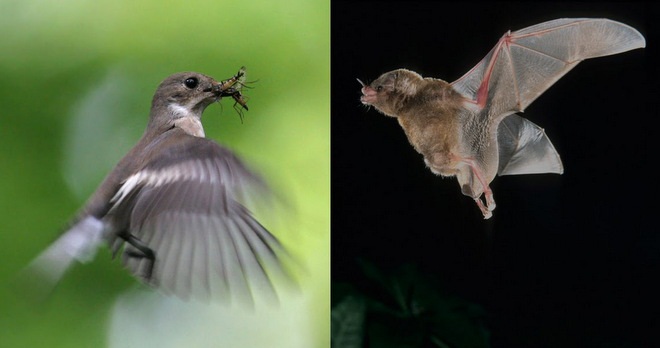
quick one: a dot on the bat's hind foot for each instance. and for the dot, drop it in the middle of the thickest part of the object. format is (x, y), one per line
(486, 209)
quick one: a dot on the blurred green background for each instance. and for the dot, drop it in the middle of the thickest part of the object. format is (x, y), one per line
(76, 81)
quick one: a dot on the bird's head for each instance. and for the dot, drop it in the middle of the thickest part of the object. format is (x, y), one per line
(181, 99)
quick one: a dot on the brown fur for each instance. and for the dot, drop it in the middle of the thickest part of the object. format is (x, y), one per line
(426, 110)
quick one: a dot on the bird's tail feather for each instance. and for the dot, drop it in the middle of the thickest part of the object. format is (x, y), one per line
(79, 243)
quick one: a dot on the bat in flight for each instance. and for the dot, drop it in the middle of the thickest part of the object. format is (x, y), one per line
(468, 128)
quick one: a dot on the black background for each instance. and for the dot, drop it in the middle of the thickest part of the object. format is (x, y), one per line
(567, 260)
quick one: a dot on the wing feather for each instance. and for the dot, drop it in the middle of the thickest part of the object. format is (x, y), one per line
(221, 264)
(257, 247)
(187, 206)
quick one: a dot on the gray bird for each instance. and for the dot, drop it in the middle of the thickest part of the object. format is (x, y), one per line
(175, 203)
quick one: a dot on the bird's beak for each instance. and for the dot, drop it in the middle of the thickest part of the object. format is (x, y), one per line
(216, 88)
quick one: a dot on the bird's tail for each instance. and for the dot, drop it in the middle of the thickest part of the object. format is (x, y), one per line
(79, 243)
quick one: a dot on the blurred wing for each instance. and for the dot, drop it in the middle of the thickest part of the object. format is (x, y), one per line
(78, 243)
(525, 63)
(187, 206)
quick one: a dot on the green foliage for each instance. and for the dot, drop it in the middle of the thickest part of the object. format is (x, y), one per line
(404, 308)
(348, 322)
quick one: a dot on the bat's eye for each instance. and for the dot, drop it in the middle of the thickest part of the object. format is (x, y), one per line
(379, 88)
(191, 82)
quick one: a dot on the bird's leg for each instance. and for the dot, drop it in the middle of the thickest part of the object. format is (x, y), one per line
(141, 251)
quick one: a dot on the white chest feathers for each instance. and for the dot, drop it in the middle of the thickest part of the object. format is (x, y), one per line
(187, 121)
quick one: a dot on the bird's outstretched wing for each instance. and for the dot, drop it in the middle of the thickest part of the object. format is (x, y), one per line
(187, 205)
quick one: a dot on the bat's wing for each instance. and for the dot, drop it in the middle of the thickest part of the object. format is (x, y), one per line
(525, 149)
(515, 72)
(527, 62)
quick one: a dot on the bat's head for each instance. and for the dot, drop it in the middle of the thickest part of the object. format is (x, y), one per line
(388, 92)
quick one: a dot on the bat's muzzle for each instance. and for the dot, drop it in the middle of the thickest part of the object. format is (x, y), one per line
(369, 95)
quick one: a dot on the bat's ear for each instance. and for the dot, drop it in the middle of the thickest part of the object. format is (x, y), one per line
(525, 149)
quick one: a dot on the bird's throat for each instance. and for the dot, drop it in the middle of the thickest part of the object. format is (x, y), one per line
(187, 120)
(190, 125)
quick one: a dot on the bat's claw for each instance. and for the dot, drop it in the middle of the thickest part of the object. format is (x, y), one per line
(484, 209)
(487, 209)
(490, 201)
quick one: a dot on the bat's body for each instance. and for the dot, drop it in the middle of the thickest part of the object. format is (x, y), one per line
(467, 128)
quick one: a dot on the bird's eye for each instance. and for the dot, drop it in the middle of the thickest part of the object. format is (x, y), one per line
(379, 88)
(191, 82)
